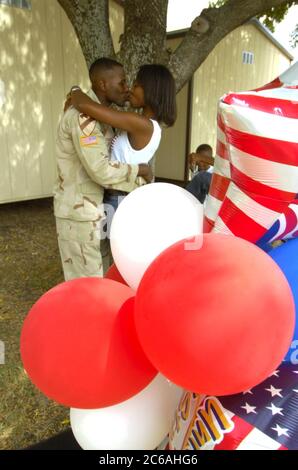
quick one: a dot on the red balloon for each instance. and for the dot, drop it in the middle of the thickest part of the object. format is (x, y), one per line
(216, 320)
(79, 344)
(113, 273)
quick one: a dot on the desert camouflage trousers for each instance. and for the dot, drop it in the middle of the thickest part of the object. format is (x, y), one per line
(82, 252)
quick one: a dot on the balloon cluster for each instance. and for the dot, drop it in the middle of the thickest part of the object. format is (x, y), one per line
(207, 312)
(253, 195)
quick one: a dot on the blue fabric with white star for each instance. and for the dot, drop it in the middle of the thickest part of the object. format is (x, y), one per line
(272, 406)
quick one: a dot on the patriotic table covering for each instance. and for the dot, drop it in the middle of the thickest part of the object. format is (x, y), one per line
(263, 418)
(254, 188)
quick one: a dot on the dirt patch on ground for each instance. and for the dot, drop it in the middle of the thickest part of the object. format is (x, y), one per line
(29, 266)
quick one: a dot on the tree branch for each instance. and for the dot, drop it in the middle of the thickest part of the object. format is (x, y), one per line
(90, 19)
(144, 36)
(208, 29)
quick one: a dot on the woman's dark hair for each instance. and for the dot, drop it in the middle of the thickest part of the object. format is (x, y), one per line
(159, 91)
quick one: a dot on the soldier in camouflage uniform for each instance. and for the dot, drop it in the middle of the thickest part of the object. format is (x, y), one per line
(84, 170)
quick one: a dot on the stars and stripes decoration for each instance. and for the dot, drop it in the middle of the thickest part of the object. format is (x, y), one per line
(254, 188)
(269, 410)
(263, 418)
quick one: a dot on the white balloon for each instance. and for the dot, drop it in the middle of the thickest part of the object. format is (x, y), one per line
(149, 220)
(140, 423)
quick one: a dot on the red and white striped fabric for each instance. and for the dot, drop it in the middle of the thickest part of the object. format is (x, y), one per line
(255, 175)
(246, 437)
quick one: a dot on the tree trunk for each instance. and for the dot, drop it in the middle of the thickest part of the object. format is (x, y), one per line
(90, 19)
(144, 39)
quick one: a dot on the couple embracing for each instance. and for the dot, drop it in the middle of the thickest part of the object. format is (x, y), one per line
(96, 163)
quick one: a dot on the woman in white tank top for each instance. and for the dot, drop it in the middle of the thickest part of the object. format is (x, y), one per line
(154, 92)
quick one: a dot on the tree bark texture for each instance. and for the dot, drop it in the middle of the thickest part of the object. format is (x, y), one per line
(144, 38)
(90, 19)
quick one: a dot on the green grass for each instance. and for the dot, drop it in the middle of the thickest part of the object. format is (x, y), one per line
(29, 266)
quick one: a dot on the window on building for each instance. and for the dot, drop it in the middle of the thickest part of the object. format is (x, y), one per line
(247, 57)
(17, 3)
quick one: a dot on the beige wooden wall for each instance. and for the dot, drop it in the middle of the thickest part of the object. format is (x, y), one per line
(40, 60)
(169, 162)
(222, 71)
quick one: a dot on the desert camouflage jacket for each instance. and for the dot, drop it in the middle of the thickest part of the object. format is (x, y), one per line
(84, 169)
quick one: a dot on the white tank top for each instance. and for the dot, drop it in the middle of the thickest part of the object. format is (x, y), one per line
(122, 151)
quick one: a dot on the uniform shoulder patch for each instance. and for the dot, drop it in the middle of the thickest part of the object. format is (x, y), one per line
(87, 124)
(89, 141)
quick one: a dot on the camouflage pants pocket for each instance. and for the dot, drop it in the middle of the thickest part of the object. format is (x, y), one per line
(79, 246)
(80, 259)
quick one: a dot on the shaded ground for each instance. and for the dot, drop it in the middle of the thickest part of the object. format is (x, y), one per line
(29, 266)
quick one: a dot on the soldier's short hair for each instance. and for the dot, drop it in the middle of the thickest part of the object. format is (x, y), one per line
(101, 65)
(159, 91)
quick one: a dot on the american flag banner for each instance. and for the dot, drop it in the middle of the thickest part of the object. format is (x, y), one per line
(263, 418)
(255, 181)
